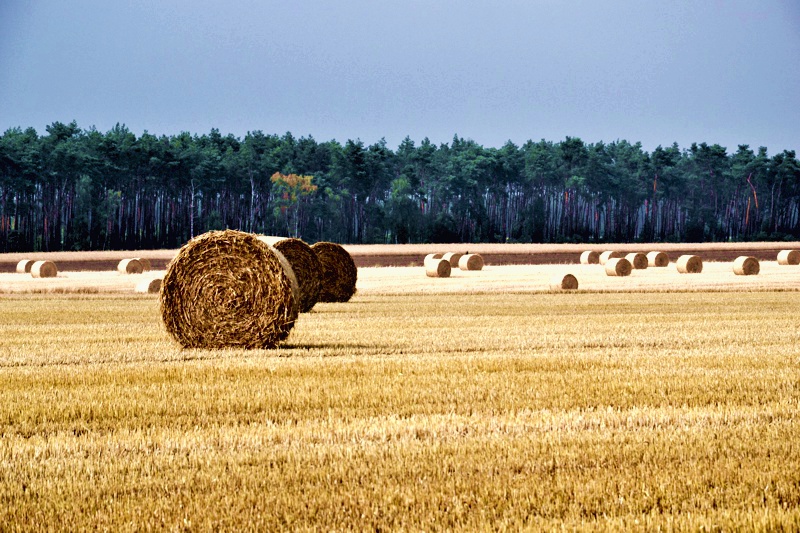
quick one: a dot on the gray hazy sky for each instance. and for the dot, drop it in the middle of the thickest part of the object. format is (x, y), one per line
(658, 72)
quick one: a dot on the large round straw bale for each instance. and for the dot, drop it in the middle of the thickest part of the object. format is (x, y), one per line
(227, 289)
(746, 266)
(637, 260)
(609, 254)
(618, 266)
(130, 266)
(785, 257)
(437, 255)
(437, 268)
(689, 264)
(305, 265)
(453, 257)
(24, 266)
(590, 257)
(44, 269)
(432, 256)
(470, 262)
(564, 282)
(148, 286)
(339, 272)
(146, 266)
(657, 259)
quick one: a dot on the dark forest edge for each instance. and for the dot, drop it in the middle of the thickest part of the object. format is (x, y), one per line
(76, 189)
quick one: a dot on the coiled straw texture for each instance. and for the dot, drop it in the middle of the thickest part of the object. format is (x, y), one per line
(305, 265)
(339, 273)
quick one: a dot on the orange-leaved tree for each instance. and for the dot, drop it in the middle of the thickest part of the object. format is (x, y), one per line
(290, 195)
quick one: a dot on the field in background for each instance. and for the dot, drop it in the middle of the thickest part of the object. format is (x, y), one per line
(407, 408)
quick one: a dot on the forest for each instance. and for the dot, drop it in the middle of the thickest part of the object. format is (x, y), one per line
(81, 189)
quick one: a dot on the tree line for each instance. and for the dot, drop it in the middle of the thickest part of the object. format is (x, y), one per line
(78, 189)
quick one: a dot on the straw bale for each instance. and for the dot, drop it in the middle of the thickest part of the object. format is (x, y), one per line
(24, 266)
(437, 268)
(453, 257)
(657, 259)
(590, 257)
(44, 269)
(618, 266)
(609, 254)
(637, 260)
(339, 272)
(437, 255)
(130, 266)
(470, 262)
(305, 265)
(564, 282)
(146, 266)
(689, 264)
(785, 257)
(746, 266)
(227, 289)
(148, 286)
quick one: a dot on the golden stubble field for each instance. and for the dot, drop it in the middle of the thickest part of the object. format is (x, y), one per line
(482, 401)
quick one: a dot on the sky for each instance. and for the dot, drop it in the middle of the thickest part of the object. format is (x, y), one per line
(655, 72)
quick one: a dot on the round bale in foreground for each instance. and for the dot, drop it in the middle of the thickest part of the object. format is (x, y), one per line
(637, 260)
(470, 262)
(590, 257)
(339, 272)
(746, 266)
(607, 255)
(227, 289)
(437, 268)
(305, 265)
(563, 282)
(689, 264)
(657, 259)
(785, 257)
(618, 266)
(24, 266)
(44, 269)
(148, 286)
(130, 266)
(453, 257)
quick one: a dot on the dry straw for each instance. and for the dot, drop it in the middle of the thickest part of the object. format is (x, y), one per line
(437, 255)
(470, 262)
(564, 282)
(785, 257)
(746, 266)
(607, 255)
(339, 272)
(453, 257)
(148, 286)
(590, 257)
(227, 289)
(637, 260)
(130, 266)
(689, 264)
(437, 267)
(146, 266)
(618, 266)
(305, 265)
(24, 266)
(657, 259)
(44, 269)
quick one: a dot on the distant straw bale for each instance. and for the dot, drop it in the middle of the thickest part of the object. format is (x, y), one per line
(689, 264)
(146, 266)
(609, 254)
(746, 266)
(453, 257)
(437, 268)
(590, 257)
(44, 269)
(618, 266)
(437, 255)
(339, 272)
(148, 286)
(785, 257)
(130, 266)
(24, 266)
(637, 260)
(227, 289)
(563, 282)
(657, 259)
(305, 265)
(470, 262)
